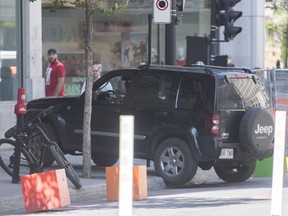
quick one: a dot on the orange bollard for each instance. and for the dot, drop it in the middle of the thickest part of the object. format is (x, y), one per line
(44, 191)
(139, 183)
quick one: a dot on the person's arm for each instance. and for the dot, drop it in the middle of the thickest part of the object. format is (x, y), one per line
(60, 83)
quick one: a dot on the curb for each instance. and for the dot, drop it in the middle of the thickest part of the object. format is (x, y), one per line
(87, 192)
(90, 192)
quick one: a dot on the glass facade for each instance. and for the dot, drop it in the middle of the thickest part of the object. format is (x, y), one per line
(9, 78)
(120, 39)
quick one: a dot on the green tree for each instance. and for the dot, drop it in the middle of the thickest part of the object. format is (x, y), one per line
(90, 6)
(277, 26)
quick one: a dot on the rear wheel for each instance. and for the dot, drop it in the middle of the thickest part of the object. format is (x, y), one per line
(235, 172)
(64, 163)
(174, 162)
(7, 158)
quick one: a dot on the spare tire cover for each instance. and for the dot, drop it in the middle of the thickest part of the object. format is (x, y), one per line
(256, 130)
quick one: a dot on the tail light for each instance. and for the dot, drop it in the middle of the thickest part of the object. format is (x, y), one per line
(212, 125)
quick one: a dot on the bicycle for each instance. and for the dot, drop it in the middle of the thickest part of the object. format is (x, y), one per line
(29, 161)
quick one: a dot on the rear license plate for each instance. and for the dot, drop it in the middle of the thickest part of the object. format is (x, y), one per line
(227, 153)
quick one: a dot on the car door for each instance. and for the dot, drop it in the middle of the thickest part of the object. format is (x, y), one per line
(151, 99)
(107, 106)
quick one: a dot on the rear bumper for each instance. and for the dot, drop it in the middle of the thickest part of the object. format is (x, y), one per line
(239, 154)
(209, 147)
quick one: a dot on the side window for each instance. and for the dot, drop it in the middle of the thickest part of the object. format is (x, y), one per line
(153, 89)
(113, 91)
(190, 94)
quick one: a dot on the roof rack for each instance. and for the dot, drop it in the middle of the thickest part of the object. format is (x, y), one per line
(220, 67)
(206, 68)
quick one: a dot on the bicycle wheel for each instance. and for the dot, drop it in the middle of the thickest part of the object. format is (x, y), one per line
(64, 163)
(7, 157)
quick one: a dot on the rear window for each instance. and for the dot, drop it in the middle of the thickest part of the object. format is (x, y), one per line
(242, 92)
(190, 94)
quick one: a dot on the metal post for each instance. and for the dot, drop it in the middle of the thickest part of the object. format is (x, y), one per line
(149, 38)
(213, 38)
(170, 46)
(158, 44)
(18, 149)
(20, 118)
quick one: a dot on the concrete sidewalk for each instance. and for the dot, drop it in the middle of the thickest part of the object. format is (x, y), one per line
(94, 188)
(11, 194)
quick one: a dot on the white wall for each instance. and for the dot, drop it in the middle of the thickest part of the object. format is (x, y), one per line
(34, 50)
(248, 47)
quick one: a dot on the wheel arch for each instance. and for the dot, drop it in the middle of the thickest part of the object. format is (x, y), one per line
(163, 133)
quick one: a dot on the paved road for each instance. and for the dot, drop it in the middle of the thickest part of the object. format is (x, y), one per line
(206, 195)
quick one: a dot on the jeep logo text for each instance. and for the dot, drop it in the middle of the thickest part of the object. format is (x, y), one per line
(263, 129)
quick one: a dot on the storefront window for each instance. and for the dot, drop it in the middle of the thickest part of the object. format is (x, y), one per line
(9, 79)
(120, 39)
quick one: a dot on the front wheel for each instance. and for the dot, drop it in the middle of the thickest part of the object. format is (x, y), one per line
(7, 158)
(174, 162)
(64, 163)
(235, 172)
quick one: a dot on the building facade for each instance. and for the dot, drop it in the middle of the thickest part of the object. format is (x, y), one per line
(28, 30)
(20, 55)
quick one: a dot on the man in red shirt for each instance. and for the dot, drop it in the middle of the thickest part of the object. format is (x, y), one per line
(55, 75)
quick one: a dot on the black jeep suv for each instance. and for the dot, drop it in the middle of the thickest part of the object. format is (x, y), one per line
(185, 118)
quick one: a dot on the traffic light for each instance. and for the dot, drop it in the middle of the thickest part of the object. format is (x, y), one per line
(180, 4)
(162, 11)
(225, 15)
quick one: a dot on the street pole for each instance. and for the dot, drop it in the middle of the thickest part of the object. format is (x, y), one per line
(213, 31)
(170, 46)
(149, 38)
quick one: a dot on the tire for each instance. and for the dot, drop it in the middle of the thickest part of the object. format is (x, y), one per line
(174, 162)
(36, 147)
(235, 173)
(7, 155)
(256, 131)
(64, 163)
(102, 160)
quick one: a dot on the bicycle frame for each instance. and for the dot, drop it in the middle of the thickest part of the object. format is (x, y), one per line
(25, 131)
